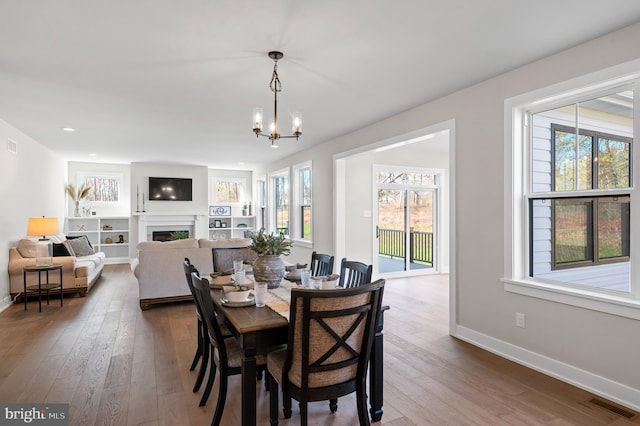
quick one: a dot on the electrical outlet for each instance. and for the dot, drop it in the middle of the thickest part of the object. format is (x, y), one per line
(520, 320)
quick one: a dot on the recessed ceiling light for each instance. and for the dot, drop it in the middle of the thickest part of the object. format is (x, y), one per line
(68, 129)
(93, 154)
(240, 163)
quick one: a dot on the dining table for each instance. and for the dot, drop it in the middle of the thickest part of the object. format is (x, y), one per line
(260, 328)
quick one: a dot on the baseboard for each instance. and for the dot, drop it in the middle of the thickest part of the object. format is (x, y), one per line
(5, 303)
(613, 391)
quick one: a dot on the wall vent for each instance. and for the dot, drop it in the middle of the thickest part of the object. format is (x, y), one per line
(613, 408)
(12, 146)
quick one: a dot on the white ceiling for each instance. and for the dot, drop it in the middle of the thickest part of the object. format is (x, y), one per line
(176, 81)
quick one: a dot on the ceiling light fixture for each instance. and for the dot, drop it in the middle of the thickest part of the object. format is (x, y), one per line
(68, 129)
(275, 87)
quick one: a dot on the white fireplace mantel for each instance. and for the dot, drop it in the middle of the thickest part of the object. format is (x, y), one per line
(196, 224)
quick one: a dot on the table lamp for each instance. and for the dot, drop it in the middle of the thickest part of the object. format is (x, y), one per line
(41, 227)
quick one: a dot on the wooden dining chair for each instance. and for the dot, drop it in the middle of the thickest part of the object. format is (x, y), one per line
(223, 257)
(226, 355)
(328, 349)
(354, 273)
(321, 264)
(203, 347)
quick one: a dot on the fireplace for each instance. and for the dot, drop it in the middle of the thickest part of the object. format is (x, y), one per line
(165, 235)
(149, 223)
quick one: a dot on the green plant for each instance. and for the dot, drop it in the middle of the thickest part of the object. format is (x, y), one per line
(179, 235)
(263, 244)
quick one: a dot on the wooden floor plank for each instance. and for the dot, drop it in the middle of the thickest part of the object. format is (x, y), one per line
(117, 365)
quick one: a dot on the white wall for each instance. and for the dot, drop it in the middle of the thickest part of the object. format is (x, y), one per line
(600, 350)
(32, 185)
(358, 233)
(121, 208)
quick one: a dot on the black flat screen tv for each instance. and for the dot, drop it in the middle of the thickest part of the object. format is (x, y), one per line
(169, 189)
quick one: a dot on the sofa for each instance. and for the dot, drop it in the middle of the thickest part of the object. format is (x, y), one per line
(159, 267)
(79, 272)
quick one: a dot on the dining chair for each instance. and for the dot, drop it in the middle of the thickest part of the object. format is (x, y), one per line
(226, 355)
(223, 257)
(328, 348)
(321, 264)
(354, 273)
(202, 349)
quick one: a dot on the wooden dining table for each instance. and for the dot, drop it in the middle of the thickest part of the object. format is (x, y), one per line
(259, 329)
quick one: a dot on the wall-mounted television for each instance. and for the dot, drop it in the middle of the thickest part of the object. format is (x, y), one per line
(170, 189)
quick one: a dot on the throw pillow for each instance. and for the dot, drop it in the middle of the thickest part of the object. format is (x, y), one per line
(73, 237)
(59, 250)
(81, 246)
(27, 247)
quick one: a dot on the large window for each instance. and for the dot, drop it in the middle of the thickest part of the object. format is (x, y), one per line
(302, 213)
(573, 191)
(279, 217)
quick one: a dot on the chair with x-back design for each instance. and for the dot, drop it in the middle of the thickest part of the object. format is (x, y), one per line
(328, 348)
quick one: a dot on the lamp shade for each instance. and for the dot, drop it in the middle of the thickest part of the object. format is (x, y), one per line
(42, 226)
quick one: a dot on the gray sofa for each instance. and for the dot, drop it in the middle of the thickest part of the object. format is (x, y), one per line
(159, 267)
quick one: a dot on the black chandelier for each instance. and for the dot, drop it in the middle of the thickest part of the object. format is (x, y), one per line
(276, 87)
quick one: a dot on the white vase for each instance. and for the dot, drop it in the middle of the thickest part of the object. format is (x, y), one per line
(76, 212)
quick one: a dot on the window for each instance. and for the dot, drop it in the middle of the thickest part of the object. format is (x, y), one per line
(280, 206)
(105, 188)
(572, 167)
(227, 190)
(302, 216)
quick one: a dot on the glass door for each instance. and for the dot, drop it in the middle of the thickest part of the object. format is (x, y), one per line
(406, 209)
(405, 230)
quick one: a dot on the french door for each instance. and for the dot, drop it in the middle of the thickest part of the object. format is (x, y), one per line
(405, 232)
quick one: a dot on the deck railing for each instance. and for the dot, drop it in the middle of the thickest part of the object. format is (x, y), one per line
(391, 242)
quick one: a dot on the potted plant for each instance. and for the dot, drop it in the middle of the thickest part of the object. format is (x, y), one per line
(268, 267)
(77, 195)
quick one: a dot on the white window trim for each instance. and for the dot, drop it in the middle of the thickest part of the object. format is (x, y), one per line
(271, 218)
(515, 276)
(213, 194)
(296, 219)
(82, 176)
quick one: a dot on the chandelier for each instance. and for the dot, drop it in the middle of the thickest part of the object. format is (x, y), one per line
(276, 87)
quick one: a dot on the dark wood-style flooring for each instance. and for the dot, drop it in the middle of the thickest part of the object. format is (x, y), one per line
(117, 365)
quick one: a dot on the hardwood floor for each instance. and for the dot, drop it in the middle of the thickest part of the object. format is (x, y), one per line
(117, 365)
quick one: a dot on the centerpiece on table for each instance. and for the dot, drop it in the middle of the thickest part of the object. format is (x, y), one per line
(77, 195)
(268, 267)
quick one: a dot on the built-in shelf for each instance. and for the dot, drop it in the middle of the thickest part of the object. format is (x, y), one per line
(109, 235)
(224, 227)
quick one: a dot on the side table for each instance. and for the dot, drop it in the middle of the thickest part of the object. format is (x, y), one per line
(41, 287)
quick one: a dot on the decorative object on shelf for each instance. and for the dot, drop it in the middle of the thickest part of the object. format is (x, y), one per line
(86, 211)
(106, 227)
(120, 239)
(81, 227)
(276, 87)
(219, 210)
(108, 240)
(224, 224)
(268, 267)
(249, 208)
(217, 223)
(77, 195)
(245, 210)
(137, 199)
(241, 225)
(210, 225)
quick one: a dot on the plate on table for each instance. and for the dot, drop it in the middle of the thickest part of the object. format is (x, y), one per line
(249, 302)
(220, 281)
